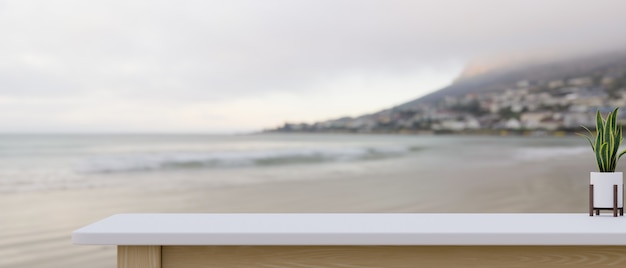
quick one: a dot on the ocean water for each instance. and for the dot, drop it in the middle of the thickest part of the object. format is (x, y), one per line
(51, 185)
(55, 162)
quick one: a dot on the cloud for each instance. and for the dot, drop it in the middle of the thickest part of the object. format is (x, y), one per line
(223, 51)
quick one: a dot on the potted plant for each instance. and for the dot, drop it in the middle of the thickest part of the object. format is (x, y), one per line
(606, 187)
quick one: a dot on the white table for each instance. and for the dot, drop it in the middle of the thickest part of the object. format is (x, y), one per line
(359, 240)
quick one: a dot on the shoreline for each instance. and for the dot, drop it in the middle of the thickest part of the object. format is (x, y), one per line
(37, 225)
(481, 132)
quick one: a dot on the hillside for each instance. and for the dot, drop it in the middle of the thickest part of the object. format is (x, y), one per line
(559, 94)
(539, 72)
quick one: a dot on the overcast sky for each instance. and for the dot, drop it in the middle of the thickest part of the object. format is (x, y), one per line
(231, 66)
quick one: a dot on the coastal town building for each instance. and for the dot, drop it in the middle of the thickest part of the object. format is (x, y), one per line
(553, 105)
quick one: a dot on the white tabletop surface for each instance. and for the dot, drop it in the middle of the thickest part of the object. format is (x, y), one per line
(354, 229)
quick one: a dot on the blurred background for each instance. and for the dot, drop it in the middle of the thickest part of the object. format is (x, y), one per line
(294, 106)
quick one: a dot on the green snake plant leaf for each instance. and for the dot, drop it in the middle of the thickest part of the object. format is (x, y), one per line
(599, 130)
(621, 139)
(610, 153)
(610, 130)
(599, 157)
(607, 141)
(622, 153)
(593, 147)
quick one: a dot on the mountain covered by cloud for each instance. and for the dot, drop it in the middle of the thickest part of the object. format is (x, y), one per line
(554, 93)
(492, 75)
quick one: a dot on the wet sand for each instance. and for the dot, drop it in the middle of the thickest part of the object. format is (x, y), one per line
(36, 227)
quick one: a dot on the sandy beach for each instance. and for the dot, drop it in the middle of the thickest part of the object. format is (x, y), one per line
(36, 226)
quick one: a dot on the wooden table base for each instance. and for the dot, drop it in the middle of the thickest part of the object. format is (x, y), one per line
(369, 256)
(615, 209)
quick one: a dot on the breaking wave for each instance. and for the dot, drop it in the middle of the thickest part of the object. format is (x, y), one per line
(234, 159)
(544, 153)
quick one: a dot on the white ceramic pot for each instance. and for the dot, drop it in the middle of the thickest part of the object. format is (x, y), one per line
(603, 188)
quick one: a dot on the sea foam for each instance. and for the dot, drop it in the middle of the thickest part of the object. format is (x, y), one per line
(234, 159)
(544, 153)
